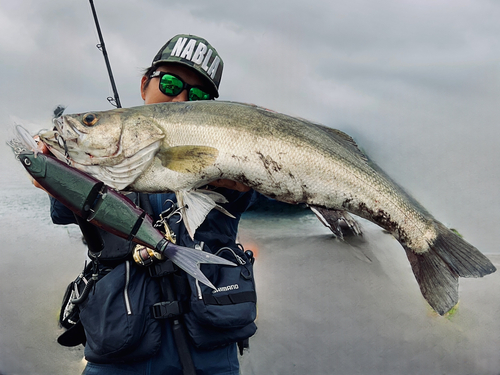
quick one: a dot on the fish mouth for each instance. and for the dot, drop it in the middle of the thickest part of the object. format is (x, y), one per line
(68, 142)
(60, 139)
(66, 131)
(66, 128)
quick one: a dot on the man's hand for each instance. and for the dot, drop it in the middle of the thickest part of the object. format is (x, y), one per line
(44, 150)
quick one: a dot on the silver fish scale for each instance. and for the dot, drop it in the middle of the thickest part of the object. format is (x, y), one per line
(286, 158)
(289, 159)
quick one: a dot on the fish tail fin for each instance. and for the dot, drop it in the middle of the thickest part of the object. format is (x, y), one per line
(437, 270)
(189, 259)
(465, 259)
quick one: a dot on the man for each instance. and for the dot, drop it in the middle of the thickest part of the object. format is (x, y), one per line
(186, 68)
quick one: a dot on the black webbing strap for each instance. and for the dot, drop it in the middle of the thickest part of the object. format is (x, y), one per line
(145, 204)
(180, 338)
(179, 331)
(163, 268)
(171, 309)
(91, 235)
(211, 299)
(136, 227)
(164, 272)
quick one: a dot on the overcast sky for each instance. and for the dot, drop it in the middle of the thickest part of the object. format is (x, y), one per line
(415, 82)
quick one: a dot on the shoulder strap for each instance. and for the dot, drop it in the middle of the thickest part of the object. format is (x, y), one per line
(145, 204)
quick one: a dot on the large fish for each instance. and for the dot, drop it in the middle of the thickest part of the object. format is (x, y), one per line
(180, 147)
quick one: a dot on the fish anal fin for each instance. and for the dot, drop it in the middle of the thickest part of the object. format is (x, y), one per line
(188, 159)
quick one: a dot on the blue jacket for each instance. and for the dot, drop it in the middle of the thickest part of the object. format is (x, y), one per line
(218, 230)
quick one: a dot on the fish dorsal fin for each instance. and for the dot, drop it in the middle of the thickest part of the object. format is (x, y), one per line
(345, 139)
(188, 159)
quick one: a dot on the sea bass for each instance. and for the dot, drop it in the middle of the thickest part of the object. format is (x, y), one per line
(179, 147)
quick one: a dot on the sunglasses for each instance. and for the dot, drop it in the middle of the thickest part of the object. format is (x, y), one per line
(172, 85)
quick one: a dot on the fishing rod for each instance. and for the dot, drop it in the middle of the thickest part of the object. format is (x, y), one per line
(91, 235)
(101, 47)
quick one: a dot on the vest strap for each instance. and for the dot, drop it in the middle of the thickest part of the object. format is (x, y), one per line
(211, 299)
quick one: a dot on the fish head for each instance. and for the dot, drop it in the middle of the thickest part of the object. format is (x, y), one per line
(104, 138)
(115, 146)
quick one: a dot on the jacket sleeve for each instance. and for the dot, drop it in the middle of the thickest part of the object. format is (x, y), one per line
(60, 214)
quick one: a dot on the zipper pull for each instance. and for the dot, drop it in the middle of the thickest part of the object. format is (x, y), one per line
(240, 259)
(236, 256)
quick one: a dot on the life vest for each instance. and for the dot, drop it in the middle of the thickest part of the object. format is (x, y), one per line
(120, 319)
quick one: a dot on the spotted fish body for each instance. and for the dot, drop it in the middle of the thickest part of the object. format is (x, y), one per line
(179, 147)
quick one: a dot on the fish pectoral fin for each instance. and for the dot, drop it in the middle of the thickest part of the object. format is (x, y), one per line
(195, 206)
(121, 175)
(188, 159)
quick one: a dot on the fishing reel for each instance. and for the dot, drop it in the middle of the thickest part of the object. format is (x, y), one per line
(145, 256)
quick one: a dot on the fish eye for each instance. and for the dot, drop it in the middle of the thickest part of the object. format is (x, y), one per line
(89, 119)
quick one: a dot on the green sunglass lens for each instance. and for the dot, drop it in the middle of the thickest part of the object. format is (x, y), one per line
(198, 94)
(171, 85)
